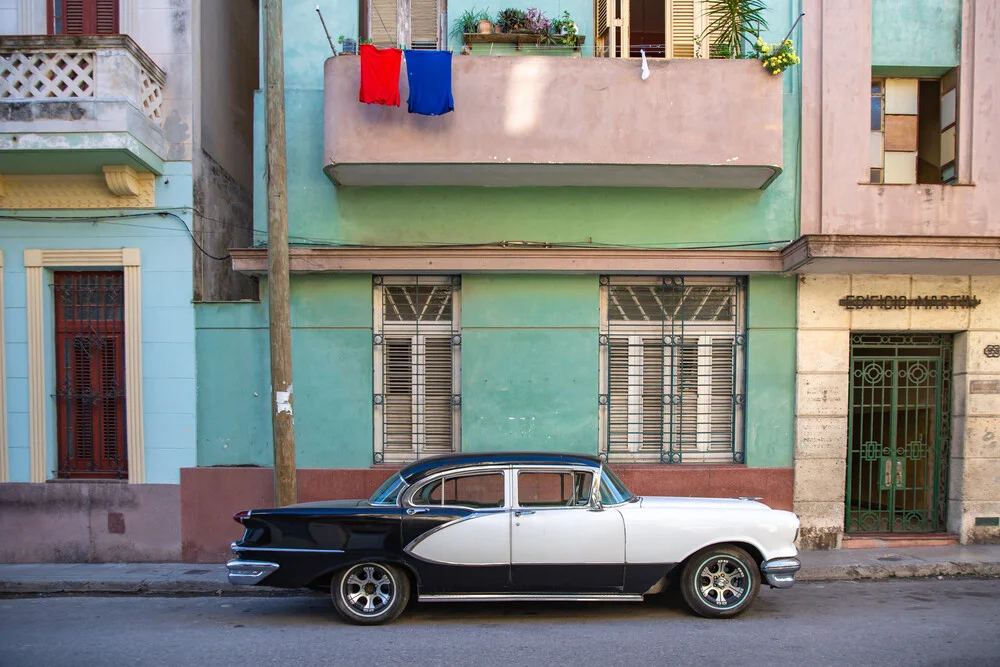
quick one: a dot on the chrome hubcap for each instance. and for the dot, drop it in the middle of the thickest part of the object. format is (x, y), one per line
(368, 589)
(722, 581)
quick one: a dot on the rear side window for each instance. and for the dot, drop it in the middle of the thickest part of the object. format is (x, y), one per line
(477, 491)
(554, 489)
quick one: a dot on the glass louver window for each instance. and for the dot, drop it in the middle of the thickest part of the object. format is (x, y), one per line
(672, 354)
(416, 343)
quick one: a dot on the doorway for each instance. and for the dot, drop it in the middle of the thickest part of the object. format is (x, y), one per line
(899, 426)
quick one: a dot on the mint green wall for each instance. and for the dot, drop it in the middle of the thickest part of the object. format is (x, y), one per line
(923, 34)
(770, 409)
(529, 363)
(320, 213)
(331, 369)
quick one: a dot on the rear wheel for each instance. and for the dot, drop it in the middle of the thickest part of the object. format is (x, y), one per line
(370, 593)
(720, 582)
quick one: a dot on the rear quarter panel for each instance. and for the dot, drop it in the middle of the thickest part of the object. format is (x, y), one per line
(661, 535)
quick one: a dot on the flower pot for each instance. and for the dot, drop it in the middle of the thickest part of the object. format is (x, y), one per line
(485, 28)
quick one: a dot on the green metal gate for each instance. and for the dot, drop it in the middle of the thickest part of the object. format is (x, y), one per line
(900, 433)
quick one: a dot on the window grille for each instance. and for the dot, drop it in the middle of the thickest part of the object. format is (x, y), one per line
(416, 343)
(672, 358)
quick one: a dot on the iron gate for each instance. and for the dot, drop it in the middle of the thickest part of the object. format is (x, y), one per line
(899, 427)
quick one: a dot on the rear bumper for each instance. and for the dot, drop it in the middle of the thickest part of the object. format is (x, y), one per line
(780, 572)
(249, 572)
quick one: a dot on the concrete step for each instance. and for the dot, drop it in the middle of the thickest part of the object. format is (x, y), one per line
(899, 540)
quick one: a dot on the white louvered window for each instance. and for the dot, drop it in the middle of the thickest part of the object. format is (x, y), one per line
(417, 371)
(658, 28)
(672, 355)
(412, 24)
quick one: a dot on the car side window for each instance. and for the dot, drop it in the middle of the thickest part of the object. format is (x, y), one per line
(482, 490)
(554, 489)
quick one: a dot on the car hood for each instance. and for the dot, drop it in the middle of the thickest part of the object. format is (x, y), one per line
(665, 502)
(319, 504)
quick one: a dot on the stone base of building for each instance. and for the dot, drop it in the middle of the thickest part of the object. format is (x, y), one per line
(210, 496)
(89, 522)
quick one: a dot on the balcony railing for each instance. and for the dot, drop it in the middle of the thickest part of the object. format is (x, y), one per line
(565, 121)
(53, 85)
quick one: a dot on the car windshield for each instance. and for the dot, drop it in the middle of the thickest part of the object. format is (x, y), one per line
(613, 491)
(388, 493)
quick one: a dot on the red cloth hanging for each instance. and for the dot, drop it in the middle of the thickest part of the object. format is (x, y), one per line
(380, 75)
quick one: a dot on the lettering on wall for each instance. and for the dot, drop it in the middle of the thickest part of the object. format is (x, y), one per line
(886, 302)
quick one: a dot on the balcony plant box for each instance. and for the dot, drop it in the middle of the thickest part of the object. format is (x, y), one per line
(520, 44)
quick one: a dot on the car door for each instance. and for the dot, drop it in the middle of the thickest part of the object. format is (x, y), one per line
(456, 532)
(562, 540)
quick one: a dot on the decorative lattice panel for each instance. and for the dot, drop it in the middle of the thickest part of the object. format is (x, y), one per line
(151, 96)
(47, 74)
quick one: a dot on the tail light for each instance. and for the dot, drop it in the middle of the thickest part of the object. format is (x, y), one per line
(239, 516)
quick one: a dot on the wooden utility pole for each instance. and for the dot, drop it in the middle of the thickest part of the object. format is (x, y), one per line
(279, 306)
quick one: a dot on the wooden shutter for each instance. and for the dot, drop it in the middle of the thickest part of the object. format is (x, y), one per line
(602, 20)
(652, 394)
(949, 126)
(681, 28)
(618, 390)
(382, 18)
(83, 17)
(424, 24)
(106, 17)
(723, 389)
(435, 370)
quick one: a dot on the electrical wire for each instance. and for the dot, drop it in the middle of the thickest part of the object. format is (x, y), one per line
(114, 219)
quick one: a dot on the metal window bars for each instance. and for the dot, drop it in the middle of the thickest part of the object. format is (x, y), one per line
(416, 343)
(672, 369)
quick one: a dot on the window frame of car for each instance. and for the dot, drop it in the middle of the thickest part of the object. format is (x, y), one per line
(593, 502)
(406, 498)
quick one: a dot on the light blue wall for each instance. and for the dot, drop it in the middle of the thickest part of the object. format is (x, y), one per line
(921, 34)
(168, 352)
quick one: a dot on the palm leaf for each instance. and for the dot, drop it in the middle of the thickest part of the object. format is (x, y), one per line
(731, 21)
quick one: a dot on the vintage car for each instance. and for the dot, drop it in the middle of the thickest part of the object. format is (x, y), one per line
(506, 526)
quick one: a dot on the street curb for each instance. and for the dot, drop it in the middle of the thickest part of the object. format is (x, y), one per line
(897, 571)
(225, 589)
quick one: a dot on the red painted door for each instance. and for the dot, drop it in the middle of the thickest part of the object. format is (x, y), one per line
(90, 374)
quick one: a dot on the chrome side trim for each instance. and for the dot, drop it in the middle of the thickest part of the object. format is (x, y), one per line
(249, 572)
(530, 597)
(236, 548)
(780, 572)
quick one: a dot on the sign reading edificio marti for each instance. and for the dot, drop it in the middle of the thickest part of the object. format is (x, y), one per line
(882, 302)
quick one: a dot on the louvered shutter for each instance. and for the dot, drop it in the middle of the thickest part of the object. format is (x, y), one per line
(84, 17)
(618, 394)
(949, 126)
(106, 17)
(652, 394)
(683, 20)
(424, 24)
(687, 389)
(383, 23)
(602, 20)
(435, 366)
(723, 387)
(73, 17)
(400, 401)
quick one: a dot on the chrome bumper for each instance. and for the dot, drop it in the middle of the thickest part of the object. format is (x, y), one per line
(780, 572)
(249, 572)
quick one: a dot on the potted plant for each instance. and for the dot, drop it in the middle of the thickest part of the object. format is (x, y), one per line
(510, 20)
(732, 26)
(469, 22)
(348, 46)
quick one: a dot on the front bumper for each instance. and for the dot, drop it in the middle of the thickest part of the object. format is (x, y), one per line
(249, 572)
(780, 572)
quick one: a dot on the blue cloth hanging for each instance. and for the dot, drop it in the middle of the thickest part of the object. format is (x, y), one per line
(429, 75)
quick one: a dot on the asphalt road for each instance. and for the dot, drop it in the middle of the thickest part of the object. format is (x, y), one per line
(896, 622)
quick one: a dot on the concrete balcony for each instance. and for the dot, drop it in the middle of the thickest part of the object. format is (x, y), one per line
(543, 121)
(75, 105)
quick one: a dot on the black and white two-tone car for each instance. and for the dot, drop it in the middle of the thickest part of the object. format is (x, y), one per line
(516, 527)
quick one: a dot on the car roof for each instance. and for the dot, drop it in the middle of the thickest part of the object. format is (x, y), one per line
(424, 467)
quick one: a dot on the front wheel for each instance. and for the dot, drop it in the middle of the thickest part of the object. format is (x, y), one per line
(720, 582)
(370, 593)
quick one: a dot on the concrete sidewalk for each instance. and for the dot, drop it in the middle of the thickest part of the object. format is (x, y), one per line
(200, 579)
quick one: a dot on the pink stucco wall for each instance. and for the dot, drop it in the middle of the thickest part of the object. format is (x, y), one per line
(836, 71)
(571, 111)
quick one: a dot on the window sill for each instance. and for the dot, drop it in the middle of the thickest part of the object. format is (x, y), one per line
(918, 185)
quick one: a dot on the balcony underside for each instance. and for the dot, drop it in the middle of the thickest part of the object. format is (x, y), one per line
(75, 153)
(742, 177)
(545, 121)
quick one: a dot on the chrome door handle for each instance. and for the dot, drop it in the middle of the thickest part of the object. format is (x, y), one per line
(523, 512)
(899, 473)
(416, 510)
